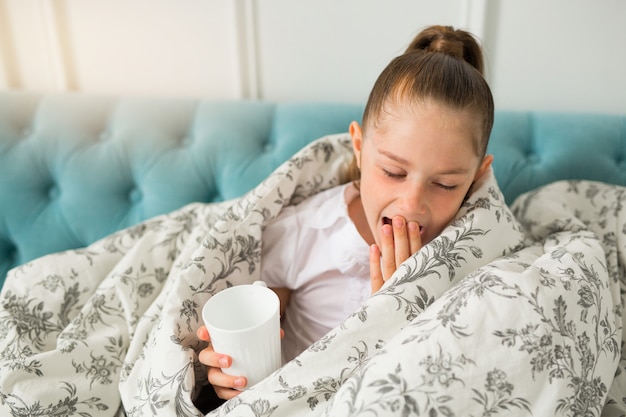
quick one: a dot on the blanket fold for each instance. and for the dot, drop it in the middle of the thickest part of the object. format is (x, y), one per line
(509, 310)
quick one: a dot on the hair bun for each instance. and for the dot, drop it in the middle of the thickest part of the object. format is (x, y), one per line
(454, 42)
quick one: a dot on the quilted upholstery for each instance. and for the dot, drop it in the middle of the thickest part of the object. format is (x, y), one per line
(75, 168)
(533, 149)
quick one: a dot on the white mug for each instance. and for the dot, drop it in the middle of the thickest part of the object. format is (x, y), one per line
(244, 323)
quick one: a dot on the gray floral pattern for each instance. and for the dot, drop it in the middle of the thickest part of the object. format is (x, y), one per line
(510, 311)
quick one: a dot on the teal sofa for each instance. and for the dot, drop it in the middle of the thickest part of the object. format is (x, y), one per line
(76, 167)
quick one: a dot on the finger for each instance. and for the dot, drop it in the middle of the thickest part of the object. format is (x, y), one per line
(214, 359)
(225, 393)
(376, 274)
(203, 334)
(225, 386)
(387, 250)
(415, 239)
(400, 240)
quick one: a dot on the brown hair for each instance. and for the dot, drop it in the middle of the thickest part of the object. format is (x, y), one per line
(442, 64)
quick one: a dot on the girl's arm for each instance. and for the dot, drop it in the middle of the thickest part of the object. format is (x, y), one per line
(283, 295)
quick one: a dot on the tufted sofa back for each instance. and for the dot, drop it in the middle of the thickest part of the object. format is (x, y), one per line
(75, 168)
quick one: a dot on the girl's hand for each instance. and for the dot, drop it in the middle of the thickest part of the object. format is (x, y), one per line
(225, 386)
(399, 240)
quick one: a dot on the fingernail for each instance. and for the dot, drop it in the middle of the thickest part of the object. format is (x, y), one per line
(239, 382)
(387, 231)
(223, 362)
(398, 222)
(413, 226)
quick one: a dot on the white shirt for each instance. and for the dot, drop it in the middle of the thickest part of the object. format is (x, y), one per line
(315, 250)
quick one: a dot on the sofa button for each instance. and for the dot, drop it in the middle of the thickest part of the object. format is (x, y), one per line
(10, 252)
(53, 193)
(135, 195)
(533, 158)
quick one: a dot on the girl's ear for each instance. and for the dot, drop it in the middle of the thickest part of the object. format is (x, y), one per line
(484, 166)
(357, 141)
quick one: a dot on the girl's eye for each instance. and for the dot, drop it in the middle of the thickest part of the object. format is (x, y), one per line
(445, 187)
(393, 175)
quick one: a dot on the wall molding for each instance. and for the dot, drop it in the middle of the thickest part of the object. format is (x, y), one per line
(48, 13)
(474, 14)
(9, 73)
(246, 47)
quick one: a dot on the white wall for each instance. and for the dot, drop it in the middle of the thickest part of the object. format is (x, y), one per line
(567, 55)
(557, 55)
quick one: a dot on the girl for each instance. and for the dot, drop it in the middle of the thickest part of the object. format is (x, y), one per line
(421, 146)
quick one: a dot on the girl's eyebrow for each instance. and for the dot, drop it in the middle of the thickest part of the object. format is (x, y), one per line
(401, 160)
(394, 157)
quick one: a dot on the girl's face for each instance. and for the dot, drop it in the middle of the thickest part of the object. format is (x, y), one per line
(416, 164)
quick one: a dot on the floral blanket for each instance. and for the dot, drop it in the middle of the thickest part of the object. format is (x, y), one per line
(509, 311)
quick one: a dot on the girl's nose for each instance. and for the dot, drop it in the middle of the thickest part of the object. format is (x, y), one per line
(413, 201)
